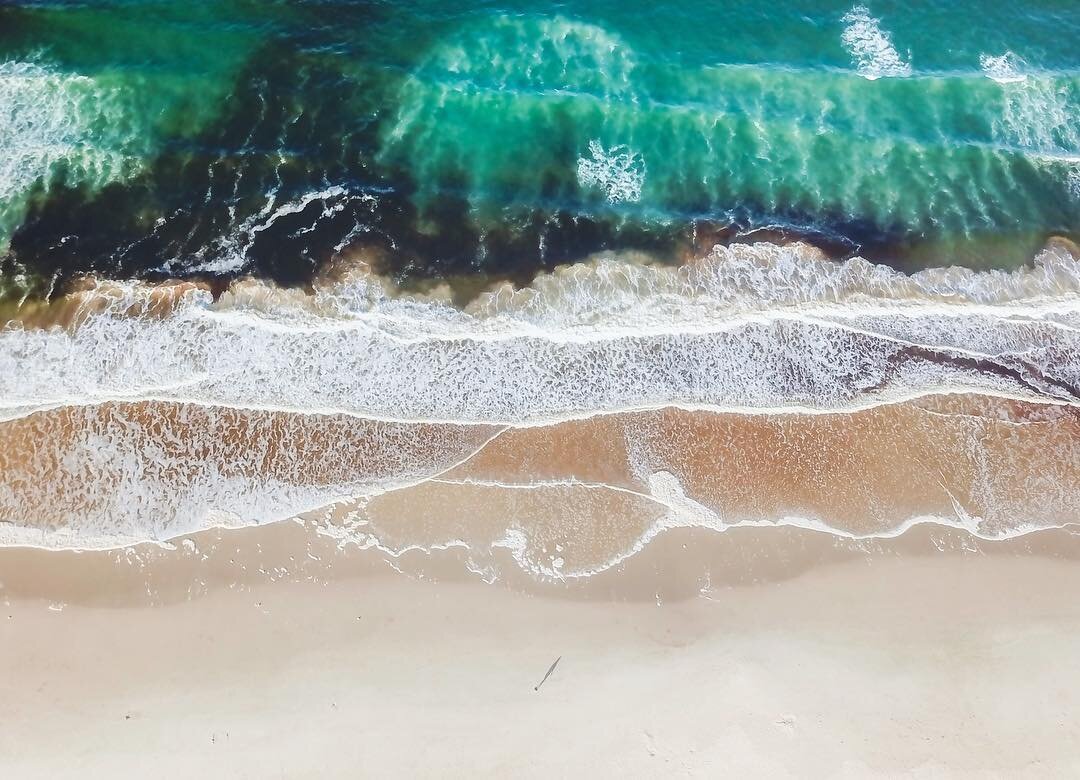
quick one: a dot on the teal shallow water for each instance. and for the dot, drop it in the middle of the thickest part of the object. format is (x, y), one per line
(219, 138)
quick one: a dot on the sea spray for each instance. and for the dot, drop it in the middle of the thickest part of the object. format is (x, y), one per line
(871, 47)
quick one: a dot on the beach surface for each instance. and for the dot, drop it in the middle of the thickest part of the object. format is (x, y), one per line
(826, 662)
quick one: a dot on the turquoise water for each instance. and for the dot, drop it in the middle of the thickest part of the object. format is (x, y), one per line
(163, 138)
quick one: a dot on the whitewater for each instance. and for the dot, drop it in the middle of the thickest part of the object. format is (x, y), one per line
(169, 410)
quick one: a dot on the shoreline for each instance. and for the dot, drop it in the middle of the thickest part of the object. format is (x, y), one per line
(567, 500)
(679, 565)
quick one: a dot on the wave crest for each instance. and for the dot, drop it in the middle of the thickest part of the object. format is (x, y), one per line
(871, 47)
(63, 125)
(748, 327)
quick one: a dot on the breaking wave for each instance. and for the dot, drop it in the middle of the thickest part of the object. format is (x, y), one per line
(1006, 69)
(871, 47)
(568, 422)
(748, 327)
(59, 126)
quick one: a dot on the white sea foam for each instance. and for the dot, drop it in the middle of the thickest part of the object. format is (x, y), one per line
(871, 47)
(231, 253)
(1037, 113)
(618, 172)
(751, 327)
(1006, 69)
(1073, 180)
(51, 120)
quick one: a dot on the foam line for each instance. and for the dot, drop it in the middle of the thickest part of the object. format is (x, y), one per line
(749, 328)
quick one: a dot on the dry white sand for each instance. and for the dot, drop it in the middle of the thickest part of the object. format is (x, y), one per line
(933, 666)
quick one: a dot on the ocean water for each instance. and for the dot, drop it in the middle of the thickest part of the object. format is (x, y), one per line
(546, 278)
(149, 139)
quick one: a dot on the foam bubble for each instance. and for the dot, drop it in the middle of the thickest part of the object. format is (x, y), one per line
(618, 172)
(1006, 69)
(871, 47)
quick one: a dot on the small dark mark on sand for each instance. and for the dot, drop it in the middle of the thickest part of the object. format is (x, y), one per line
(549, 671)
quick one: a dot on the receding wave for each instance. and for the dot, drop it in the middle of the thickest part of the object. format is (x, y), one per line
(573, 419)
(567, 499)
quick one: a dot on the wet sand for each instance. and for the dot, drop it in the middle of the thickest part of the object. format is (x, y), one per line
(862, 663)
(571, 498)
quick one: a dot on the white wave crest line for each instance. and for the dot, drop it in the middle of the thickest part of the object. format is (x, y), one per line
(943, 347)
(720, 327)
(792, 521)
(542, 421)
(720, 322)
(830, 316)
(154, 392)
(871, 47)
(785, 521)
(455, 465)
(542, 484)
(372, 542)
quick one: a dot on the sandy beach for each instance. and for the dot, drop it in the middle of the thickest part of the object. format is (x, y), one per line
(539, 389)
(871, 663)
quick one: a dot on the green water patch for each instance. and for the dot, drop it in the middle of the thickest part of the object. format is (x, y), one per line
(513, 112)
(280, 181)
(186, 211)
(90, 93)
(60, 128)
(215, 139)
